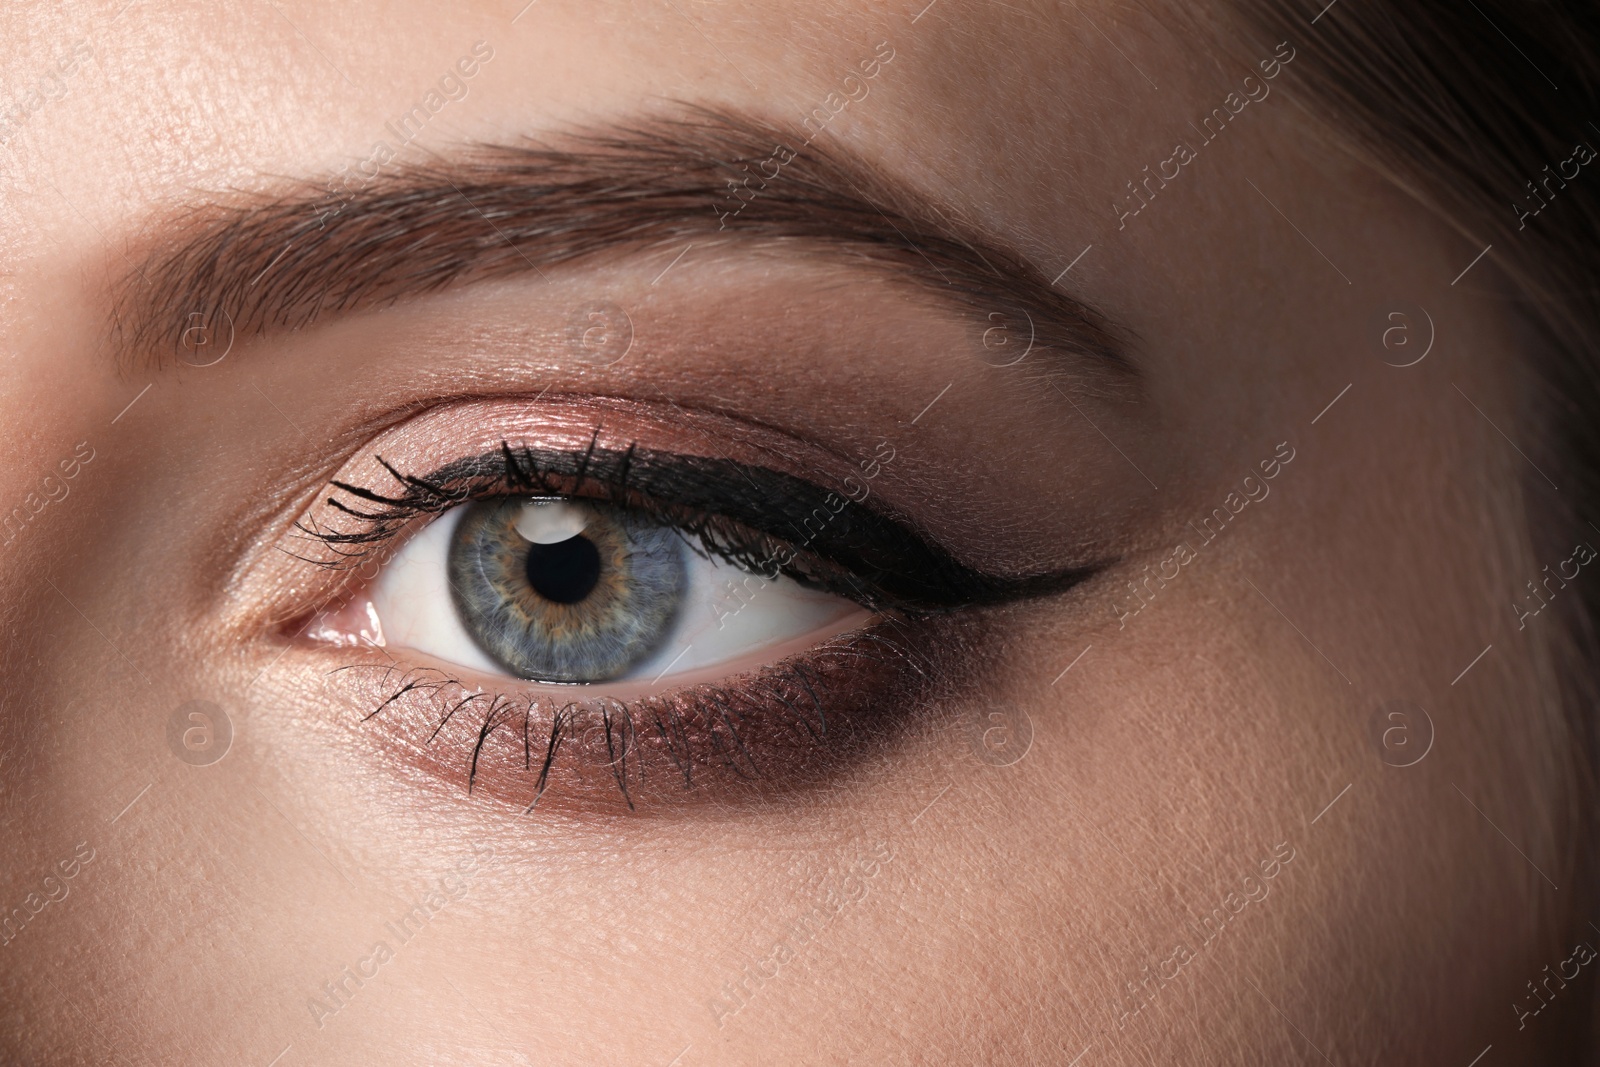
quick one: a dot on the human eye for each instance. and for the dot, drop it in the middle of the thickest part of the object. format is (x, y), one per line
(562, 608)
(586, 590)
(562, 590)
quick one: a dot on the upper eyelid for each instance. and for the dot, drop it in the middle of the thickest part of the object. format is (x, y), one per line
(505, 471)
(898, 563)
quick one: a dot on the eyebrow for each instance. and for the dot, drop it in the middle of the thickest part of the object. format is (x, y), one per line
(252, 264)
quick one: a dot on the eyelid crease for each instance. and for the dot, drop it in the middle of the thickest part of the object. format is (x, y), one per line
(819, 537)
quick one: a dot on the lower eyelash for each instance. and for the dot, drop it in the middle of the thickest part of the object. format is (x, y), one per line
(773, 731)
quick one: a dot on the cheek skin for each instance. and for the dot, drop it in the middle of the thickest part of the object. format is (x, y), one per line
(1379, 565)
(1164, 770)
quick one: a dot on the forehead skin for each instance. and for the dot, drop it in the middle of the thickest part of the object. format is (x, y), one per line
(1024, 907)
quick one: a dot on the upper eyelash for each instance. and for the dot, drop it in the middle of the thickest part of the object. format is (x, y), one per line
(426, 495)
(516, 474)
(860, 553)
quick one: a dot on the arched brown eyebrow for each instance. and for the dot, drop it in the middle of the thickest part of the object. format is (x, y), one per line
(252, 264)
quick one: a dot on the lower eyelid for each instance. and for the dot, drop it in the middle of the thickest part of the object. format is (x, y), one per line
(766, 733)
(650, 681)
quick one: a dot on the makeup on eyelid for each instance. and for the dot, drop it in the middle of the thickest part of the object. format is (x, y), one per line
(767, 702)
(979, 515)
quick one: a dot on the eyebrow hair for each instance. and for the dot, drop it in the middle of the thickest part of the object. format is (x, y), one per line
(252, 264)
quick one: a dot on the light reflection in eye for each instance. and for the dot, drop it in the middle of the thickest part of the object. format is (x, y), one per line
(572, 591)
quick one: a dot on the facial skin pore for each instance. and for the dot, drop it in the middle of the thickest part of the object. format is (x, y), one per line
(1201, 854)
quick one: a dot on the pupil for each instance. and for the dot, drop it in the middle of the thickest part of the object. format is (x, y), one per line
(566, 571)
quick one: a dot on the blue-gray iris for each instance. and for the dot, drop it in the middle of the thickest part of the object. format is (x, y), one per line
(587, 607)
